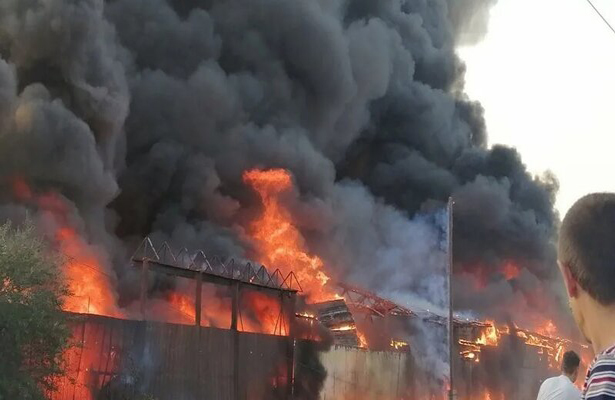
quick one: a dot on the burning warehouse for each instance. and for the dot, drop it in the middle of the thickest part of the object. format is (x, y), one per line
(320, 139)
(324, 347)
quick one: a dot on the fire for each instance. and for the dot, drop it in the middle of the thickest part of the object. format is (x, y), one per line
(399, 344)
(279, 242)
(259, 313)
(548, 329)
(262, 314)
(344, 328)
(510, 270)
(549, 346)
(183, 304)
(489, 336)
(362, 340)
(88, 280)
(470, 355)
(306, 315)
(90, 291)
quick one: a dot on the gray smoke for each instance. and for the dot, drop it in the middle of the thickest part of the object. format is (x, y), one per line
(143, 114)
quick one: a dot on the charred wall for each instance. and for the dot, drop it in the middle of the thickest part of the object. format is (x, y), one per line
(117, 359)
(120, 359)
(354, 373)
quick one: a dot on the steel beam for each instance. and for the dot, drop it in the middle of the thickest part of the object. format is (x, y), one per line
(144, 281)
(197, 302)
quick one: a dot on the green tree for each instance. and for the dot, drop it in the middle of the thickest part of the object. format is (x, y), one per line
(33, 330)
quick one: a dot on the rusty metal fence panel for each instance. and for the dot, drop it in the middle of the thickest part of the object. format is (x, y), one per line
(116, 359)
(354, 373)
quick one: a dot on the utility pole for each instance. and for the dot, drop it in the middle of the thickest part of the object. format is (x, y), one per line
(451, 333)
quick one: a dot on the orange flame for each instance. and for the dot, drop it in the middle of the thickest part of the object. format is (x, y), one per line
(185, 305)
(344, 328)
(280, 244)
(88, 280)
(490, 336)
(259, 313)
(545, 340)
(262, 314)
(362, 340)
(510, 270)
(399, 344)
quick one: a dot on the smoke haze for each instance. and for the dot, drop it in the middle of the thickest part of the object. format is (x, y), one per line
(143, 115)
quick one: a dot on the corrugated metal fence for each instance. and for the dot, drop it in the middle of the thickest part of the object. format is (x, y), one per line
(115, 359)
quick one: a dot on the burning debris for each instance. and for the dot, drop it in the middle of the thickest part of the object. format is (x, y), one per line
(474, 336)
(336, 316)
(399, 345)
(320, 137)
(279, 242)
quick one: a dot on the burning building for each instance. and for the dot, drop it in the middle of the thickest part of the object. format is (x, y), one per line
(315, 137)
(269, 349)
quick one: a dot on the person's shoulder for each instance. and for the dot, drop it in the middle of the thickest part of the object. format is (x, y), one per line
(601, 379)
(603, 362)
(548, 384)
(549, 381)
(572, 390)
(545, 387)
(606, 355)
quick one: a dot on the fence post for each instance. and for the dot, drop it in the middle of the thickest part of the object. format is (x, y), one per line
(236, 292)
(290, 373)
(144, 273)
(197, 304)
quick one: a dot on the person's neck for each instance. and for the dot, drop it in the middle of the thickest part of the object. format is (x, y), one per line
(569, 376)
(601, 327)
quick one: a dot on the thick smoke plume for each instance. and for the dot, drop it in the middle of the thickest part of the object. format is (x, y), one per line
(143, 114)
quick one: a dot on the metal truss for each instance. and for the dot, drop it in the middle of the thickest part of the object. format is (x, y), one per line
(186, 263)
(367, 302)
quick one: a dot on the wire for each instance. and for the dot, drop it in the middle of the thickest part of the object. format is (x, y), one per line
(76, 261)
(169, 305)
(601, 16)
(98, 270)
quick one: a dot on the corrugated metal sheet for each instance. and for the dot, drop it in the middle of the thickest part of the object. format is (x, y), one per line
(359, 374)
(335, 314)
(115, 358)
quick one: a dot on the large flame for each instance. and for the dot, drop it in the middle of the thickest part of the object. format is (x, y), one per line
(258, 312)
(280, 244)
(89, 282)
(544, 339)
(89, 285)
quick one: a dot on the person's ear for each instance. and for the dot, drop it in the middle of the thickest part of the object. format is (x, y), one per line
(572, 286)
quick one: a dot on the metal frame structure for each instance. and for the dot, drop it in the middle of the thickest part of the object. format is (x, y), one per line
(370, 303)
(214, 270)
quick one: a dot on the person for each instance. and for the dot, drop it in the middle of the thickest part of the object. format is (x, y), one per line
(586, 257)
(562, 387)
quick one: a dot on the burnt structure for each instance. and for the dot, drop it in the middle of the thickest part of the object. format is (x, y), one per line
(120, 359)
(336, 316)
(201, 269)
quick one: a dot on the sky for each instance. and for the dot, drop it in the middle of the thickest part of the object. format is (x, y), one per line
(545, 74)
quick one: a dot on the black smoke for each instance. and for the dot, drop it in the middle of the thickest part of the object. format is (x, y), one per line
(144, 113)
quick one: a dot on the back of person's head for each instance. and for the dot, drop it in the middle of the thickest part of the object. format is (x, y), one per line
(570, 362)
(587, 245)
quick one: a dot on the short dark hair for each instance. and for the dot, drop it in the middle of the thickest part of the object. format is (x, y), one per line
(587, 245)
(570, 362)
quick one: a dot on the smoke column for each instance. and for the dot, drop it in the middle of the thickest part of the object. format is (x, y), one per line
(142, 116)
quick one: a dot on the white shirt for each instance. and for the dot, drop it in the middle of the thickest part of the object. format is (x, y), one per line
(558, 388)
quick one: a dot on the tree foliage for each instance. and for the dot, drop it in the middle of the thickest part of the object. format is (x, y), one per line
(33, 329)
